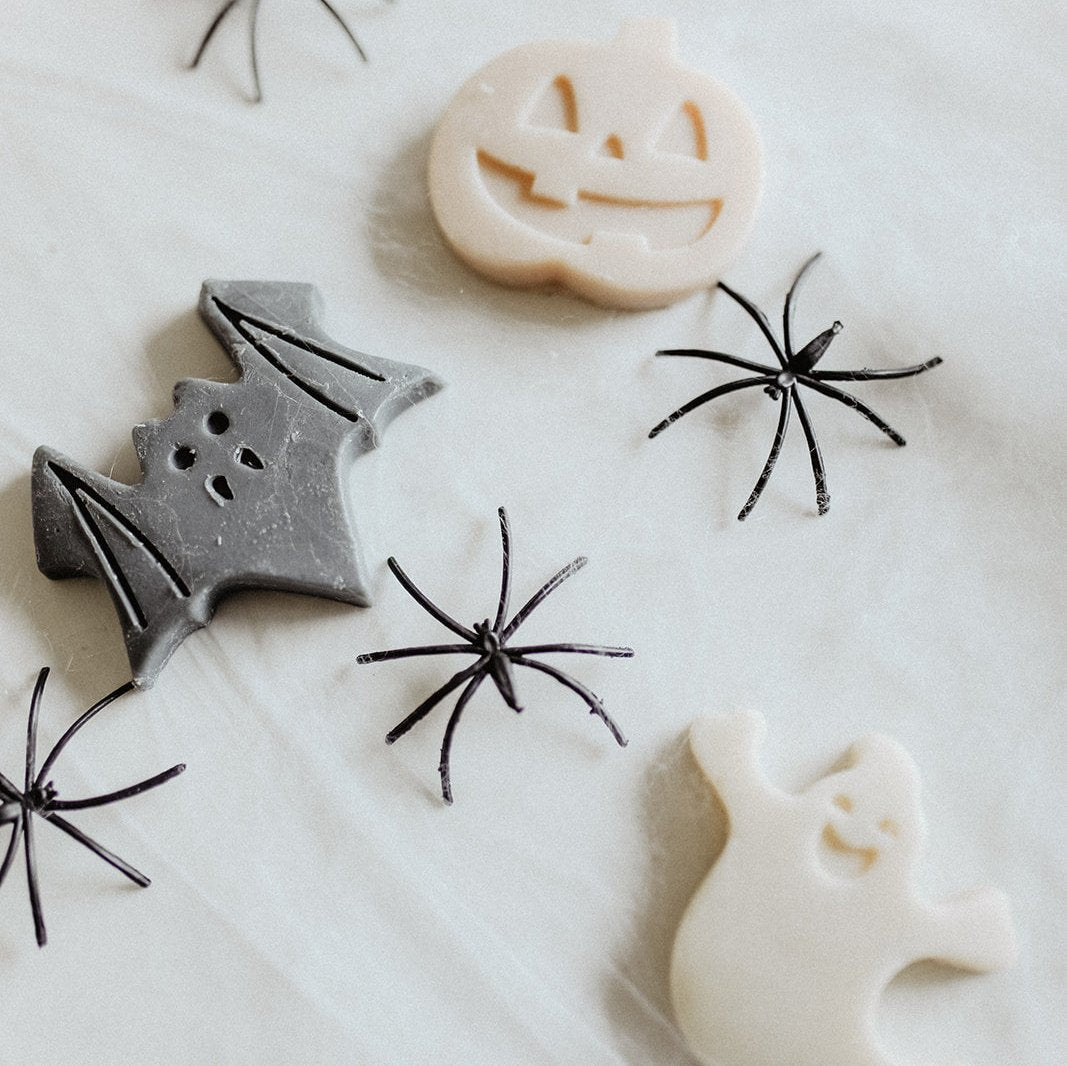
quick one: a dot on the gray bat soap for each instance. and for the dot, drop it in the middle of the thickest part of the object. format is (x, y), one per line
(243, 486)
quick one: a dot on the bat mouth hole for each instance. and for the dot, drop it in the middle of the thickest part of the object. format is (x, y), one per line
(217, 423)
(220, 489)
(183, 457)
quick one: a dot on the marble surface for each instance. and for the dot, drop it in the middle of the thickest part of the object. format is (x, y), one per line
(313, 900)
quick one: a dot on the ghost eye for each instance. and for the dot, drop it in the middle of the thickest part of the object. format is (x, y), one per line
(685, 133)
(844, 803)
(557, 106)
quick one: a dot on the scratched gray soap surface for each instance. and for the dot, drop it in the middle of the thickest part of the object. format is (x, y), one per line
(243, 486)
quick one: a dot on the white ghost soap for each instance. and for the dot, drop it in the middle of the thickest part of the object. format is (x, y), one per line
(610, 168)
(811, 909)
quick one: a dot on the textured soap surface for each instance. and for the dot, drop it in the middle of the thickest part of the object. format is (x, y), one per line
(243, 485)
(608, 167)
(811, 910)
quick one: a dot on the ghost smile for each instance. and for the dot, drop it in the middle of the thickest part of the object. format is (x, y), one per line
(864, 857)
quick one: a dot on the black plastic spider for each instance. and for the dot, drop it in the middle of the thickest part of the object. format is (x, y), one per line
(495, 658)
(39, 798)
(253, 19)
(797, 368)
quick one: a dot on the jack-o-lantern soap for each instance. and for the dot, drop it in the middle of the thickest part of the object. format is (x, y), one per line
(610, 168)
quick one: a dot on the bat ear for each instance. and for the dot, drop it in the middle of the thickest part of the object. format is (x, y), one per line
(273, 327)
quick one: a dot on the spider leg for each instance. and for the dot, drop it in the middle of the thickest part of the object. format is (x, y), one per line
(850, 401)
(31, 727)
(787, 313)
(822, 494)
(877, 375)
(576, 649)
(252, 20)
(223, 12)
(591, 699)
(65, 739)
(405, 653)
(31, 880)
(8, 790)
(772, 458)
(444, 767)
(344, 26)
(759, 318)
(98, 849)
(505, 570)
(718, 357)
(711, 394)
(434, 699)
(542, 594)
(504, 679)
(121, 794)
(804, 361)
(12, 845)
(430, 608)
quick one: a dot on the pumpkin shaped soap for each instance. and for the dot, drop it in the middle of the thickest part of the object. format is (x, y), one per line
(609, 168)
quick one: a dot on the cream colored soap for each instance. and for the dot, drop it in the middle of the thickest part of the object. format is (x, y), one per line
(610, 168)
(811, 909)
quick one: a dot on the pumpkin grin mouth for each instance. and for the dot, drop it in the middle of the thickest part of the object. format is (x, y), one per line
(594, 216)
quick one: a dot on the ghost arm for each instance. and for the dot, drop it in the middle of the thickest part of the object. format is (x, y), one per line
(973, 931)
(727, 750)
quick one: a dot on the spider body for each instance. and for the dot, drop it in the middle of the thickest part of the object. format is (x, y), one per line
(253, 19)
(782, 383)
(496, 658)
(39, 798)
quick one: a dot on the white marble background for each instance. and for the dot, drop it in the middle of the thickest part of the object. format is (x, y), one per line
(313, 900)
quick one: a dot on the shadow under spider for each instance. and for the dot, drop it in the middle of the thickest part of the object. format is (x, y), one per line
(781, 383)
(253, 19)
(495, 658)
(39, 799)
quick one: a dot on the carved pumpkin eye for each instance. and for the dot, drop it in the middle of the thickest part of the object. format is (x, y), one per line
(685, 133)
(557, 107)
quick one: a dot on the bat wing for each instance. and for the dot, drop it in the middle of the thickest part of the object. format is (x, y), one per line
(276, 325)
(85, 525)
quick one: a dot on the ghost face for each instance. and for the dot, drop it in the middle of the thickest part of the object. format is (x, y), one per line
(608, 167)
(868, 813)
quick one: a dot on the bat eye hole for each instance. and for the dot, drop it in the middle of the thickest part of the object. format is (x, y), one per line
(217, 423)
(184, 457)
(247, 457)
